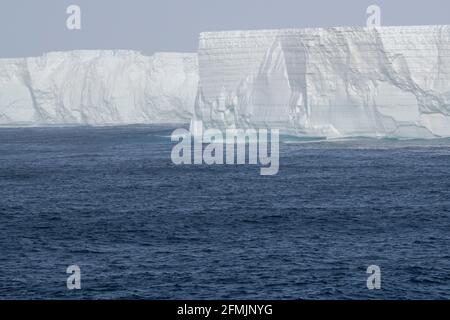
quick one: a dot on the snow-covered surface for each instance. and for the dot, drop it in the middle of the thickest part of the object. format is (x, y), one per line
(334, 82)
(98, 88)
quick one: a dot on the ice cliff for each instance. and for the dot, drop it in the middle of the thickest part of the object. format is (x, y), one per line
(333, 82)
(97, 88)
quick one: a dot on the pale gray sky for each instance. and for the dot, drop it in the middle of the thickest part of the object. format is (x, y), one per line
(31, 27)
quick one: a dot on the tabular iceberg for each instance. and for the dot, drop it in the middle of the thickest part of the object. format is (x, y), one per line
(98, 88)
(332, 82)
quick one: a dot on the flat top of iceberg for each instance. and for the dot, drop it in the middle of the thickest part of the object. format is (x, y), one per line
(94, 53)
(240, 33)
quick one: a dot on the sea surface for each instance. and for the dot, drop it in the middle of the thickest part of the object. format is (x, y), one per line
(111, 201)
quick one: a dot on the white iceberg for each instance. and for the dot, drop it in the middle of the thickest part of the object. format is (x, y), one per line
(98, 88)
(333, 82)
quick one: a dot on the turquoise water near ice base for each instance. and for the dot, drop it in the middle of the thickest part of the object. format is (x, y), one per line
(110, 200)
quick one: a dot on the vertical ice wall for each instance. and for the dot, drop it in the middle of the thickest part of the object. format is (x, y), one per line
(98, 87)
(388, 81)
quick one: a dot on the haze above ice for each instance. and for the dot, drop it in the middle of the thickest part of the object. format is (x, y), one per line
(30, 28)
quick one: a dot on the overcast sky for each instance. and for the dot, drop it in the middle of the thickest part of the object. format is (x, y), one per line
(31, 27)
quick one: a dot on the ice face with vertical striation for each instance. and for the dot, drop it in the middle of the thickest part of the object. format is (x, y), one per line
(332, 82)
(98, 88)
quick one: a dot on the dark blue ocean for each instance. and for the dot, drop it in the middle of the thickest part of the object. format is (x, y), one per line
(110, 200)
